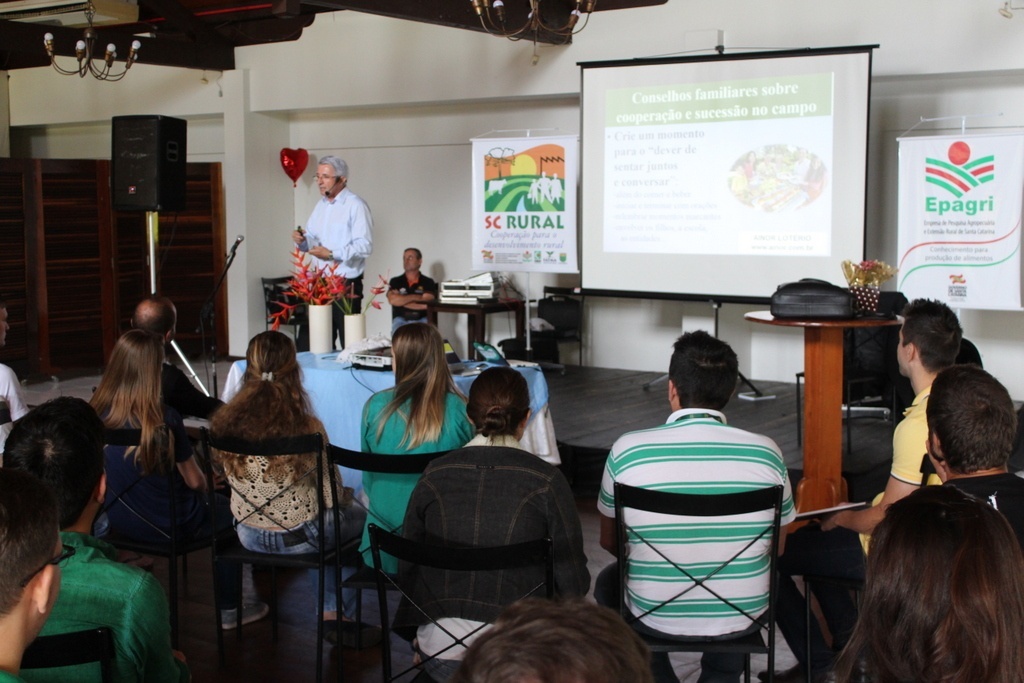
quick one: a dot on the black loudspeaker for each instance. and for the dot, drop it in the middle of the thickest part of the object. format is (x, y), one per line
(147, 163)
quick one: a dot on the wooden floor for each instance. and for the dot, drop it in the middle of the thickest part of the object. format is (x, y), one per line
(590, 407)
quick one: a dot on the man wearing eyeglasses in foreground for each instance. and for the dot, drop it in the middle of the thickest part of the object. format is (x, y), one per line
(30, 551)
(61, 443)
(338, 233)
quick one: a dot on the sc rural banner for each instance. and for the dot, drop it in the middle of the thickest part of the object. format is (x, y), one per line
(959, 219)
(524, 204)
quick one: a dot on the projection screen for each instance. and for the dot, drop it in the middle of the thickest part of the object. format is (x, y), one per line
(723, 176)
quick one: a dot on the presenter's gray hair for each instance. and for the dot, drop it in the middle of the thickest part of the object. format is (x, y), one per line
(337, 163)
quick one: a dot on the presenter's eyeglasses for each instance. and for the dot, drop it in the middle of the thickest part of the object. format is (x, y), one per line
(66, 552)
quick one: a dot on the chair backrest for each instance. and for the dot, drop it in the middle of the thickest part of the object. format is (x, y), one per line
(404, 463)
(279, 447)
(131, 438)
(77, 648)
(563, 312)
(1016, 463)
(728, 537)
(457, 559)
(5, 426)
(969, 353)
(869, 351)
(380, 463)
(276, 293)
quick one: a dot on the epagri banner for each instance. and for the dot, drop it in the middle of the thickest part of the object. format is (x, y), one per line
(960, 219)
(524, 204)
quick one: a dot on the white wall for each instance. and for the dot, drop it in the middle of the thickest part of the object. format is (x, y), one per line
(401, 100)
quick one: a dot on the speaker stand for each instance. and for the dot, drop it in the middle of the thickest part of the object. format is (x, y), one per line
(152, 231)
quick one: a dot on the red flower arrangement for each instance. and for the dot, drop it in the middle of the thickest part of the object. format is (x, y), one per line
(346, 301)
(319, 287)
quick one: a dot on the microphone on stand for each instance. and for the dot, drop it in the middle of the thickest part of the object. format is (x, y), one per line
(234, 247)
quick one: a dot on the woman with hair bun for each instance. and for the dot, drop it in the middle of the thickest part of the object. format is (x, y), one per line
(489, 493)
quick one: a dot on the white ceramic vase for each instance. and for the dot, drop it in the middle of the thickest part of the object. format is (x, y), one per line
(321, 328)
(355, 328)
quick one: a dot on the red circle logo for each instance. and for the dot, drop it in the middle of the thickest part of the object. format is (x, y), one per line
(959, 153)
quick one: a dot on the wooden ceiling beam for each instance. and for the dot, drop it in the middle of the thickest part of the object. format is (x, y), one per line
(184, 20)
(460, 13)
(27, 39)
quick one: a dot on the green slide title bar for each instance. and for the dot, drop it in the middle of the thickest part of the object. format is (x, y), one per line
(776, 97)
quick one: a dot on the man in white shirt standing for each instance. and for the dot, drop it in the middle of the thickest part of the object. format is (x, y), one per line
(11, 405)
(338, 232)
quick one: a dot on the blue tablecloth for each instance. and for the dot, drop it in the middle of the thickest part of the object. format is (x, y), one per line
(338, 391)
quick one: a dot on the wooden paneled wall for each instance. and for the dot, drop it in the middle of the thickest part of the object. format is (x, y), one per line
(72, 269)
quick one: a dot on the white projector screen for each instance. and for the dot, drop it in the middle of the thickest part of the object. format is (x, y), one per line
(722, 177)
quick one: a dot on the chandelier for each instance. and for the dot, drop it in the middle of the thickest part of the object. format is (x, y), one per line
(493, 19)
(85, 53)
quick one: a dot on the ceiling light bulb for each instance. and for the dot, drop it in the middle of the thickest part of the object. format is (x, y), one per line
(1006, 11)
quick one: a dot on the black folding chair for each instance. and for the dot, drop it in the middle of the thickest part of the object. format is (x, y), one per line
(565, 314)
(170, 546)
(449, 559)
(77, 648)
(323, 560)
(717, 507)
(412, 463)
(277, 291)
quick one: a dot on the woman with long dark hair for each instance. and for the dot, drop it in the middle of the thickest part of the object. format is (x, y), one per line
(424, 412)
(944, 595)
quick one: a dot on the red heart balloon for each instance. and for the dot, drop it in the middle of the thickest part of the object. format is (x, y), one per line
(294, 162)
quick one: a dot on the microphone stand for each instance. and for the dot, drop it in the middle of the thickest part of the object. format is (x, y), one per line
(207, 314)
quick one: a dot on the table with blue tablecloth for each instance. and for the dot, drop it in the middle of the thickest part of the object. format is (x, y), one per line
(338, 391)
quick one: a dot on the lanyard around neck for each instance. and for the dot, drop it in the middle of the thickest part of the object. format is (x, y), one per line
(700, 416)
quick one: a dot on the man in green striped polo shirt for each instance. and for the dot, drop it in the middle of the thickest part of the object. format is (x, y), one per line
(696, 451)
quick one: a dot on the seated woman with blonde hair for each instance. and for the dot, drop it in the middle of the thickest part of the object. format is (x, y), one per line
(423, 413)
(272, 403)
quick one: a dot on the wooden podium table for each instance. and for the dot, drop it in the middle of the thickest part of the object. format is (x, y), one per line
(822, 484)
(478, 313)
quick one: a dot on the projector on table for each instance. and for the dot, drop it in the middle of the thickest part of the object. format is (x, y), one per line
(469, 291)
